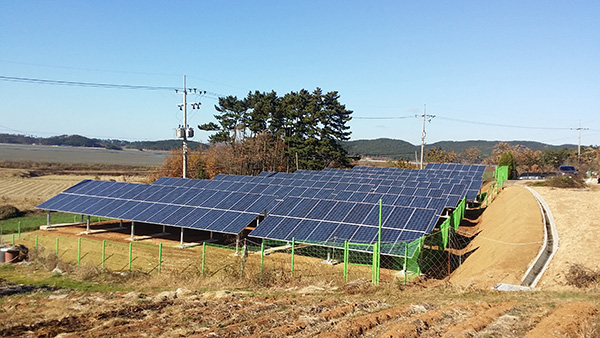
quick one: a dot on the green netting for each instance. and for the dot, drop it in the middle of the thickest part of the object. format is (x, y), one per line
(444, 231)
(501, 175)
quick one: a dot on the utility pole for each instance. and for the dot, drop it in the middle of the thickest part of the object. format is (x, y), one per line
(184, 132)
(423, 133)
(579, 142)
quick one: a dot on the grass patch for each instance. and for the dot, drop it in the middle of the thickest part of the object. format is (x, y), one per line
(32, 221)
(35, 275)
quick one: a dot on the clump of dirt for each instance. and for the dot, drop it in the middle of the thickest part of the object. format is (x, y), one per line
(8, 211)
(582, 277)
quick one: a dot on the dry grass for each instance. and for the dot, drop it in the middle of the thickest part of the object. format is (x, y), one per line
(589, 328)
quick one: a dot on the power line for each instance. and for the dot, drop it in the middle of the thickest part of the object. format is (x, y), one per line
(207, 94)
(382, 118)
(457, 120)
(81, 84)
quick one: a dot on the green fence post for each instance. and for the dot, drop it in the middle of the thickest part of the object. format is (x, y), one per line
(346, 256)
(130, 254)
(379, 243)
(19, 226)
(103, 251)
(79, 251)
(74, 218)
(405, 261)
(203, 256)
(57, 246)
(293, 245)
(262, 255)
(159, 256)
(13, 238)
(374, 265)
(36, 242)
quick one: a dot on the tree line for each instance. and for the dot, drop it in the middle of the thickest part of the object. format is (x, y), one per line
(301, 130)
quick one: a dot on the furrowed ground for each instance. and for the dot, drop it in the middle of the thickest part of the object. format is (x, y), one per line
(94, 303)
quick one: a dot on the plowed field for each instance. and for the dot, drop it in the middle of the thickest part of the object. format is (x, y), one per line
(296, 312)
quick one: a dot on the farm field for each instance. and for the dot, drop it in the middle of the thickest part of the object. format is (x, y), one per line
(65, 154)
(19, 189)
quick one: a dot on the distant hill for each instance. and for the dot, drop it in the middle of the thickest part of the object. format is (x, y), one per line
(82, 141)
(383, 147)
(390, 148)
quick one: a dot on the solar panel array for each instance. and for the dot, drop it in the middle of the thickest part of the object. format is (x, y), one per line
(329, 206)
(203, 209)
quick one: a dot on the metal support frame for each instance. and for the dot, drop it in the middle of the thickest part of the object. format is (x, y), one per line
(132, 229)
(181, 238)
(87, 225)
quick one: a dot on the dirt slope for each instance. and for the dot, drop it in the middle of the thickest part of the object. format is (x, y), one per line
(509, 236)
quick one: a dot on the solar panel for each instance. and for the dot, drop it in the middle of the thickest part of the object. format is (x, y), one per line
(330, 221)
(195, 208)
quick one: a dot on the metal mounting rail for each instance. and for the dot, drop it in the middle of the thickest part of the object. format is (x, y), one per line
(540, 264)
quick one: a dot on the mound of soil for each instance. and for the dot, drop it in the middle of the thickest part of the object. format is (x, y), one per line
(8, 211)
(508, 238)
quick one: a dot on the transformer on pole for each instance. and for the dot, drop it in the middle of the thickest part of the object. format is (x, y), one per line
(185, 131)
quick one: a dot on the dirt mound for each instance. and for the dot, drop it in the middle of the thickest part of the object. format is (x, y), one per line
(8, 211)
(507, 239)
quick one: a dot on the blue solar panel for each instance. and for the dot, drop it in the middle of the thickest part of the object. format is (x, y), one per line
(339, 212)
(359, 213)
(260, 204)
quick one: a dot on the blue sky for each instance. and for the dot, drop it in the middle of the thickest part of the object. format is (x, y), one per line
(492, 70)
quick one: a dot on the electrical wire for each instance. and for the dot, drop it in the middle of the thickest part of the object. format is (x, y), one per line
(206, 94)
(382, 118)
(81, 84)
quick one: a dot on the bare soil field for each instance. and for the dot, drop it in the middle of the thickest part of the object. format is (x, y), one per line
(352, 310)
(504, 240)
